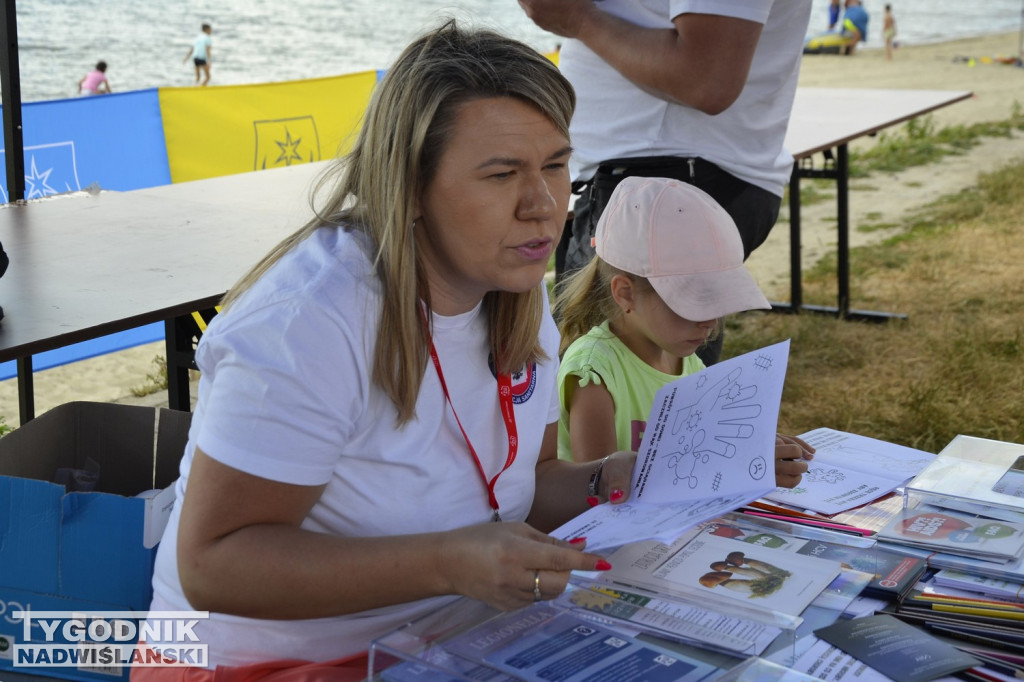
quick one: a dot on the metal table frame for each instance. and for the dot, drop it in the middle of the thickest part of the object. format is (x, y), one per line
(824, 121)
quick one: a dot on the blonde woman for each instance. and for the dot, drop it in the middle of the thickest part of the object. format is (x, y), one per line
(377, 417)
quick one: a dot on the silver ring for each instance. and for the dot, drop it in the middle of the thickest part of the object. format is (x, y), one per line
(536, 586)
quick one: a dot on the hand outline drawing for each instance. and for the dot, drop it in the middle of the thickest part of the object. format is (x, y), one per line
(721, 415)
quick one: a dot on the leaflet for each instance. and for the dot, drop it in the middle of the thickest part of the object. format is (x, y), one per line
(849, 470)
(544, 644)
(708, 448)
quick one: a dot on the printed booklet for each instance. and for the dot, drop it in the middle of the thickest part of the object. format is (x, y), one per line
(955, 532)
(893, 574)
(720, 573)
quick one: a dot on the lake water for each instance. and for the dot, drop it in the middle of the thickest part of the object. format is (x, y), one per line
(144, 41)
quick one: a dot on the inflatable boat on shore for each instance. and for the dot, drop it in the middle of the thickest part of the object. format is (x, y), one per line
(830, 42)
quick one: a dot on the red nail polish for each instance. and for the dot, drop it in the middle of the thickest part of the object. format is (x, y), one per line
(616, 495)
(593, 501)
(577, 541)
(602, 565)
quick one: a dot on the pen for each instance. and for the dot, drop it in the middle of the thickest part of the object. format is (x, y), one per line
(839, 527)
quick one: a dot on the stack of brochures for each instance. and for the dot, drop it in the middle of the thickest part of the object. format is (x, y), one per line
(728, 599)
(709, 583)
(751, 583)
(945, 530)
(964, 514)
(990, 628)
(965, 511)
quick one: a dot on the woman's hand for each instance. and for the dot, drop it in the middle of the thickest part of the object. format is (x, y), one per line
(791, 456)
(511, 565)
(613, 476)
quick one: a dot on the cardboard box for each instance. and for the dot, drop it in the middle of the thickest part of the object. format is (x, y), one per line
(84, 551)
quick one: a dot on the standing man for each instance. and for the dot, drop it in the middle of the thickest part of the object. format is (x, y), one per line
(855, 24)
(201, 53)
(697, 90)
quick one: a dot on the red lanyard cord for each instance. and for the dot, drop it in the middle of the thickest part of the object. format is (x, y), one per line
(508, 416)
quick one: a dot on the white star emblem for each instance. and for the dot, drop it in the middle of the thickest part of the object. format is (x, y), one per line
(36, 182)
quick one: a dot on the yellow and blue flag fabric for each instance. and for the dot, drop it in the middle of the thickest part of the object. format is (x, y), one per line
(233, 129)
(114, 141)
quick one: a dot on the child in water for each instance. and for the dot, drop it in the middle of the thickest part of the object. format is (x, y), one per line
(669, 264)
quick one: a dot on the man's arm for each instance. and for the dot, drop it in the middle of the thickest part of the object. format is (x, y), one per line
(702, 62)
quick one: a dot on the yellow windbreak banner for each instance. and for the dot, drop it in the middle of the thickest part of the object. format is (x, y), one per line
(224, 130)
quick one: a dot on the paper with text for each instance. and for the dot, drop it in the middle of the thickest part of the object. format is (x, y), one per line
(708, 448)
(849, 470)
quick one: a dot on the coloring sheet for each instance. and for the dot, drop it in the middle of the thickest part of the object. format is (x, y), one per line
(850, 470)
(708, 448)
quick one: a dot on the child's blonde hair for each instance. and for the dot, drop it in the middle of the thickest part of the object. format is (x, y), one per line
(584, 300)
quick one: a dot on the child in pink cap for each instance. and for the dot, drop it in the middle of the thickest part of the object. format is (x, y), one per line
(669, 264)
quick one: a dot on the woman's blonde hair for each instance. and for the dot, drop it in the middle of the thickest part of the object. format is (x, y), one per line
(406, 129)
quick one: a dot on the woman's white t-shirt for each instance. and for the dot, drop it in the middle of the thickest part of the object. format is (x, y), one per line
(286, 394)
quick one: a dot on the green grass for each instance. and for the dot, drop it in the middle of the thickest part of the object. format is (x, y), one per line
(955, 366)
(155, 380)
(918, 143)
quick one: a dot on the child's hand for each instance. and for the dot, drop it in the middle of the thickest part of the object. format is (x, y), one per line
(791, 455)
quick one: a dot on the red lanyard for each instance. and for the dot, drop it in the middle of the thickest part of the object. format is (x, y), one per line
(507, 413)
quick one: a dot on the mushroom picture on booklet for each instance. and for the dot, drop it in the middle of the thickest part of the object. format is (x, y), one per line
(739, 573)
(740, 559)
(726, 579)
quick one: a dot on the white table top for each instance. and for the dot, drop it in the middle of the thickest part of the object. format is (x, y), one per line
(823, 118)
(86, 266)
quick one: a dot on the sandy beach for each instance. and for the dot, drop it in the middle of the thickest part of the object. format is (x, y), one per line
(882, 198)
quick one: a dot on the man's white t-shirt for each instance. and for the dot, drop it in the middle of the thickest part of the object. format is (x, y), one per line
(616, 119)
(286, 394)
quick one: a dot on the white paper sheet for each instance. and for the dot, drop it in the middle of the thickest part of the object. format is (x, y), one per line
(849, 470)
(708, 448)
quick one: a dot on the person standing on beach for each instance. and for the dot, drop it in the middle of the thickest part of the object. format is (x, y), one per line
(201, 53)
(95, 82)
(835, 8)
(855, 25)
(696, 91)
(888, 31)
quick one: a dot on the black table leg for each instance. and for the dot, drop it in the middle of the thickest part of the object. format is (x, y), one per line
(178, 340)
(26, 389)
(840, 172)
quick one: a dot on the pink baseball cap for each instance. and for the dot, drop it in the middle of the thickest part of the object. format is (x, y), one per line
(683, 242)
